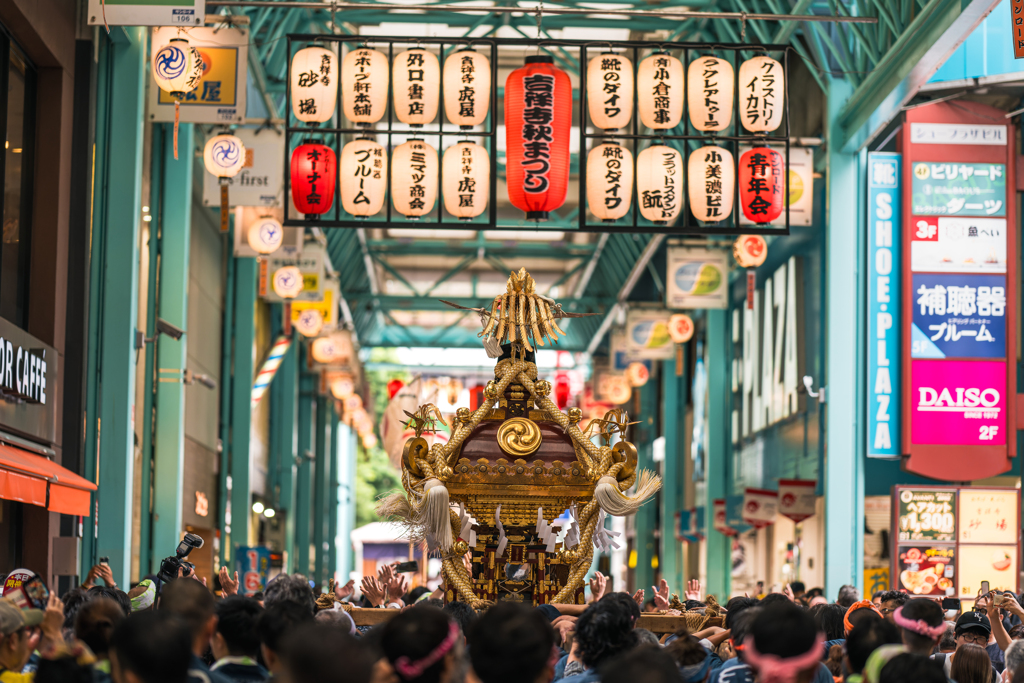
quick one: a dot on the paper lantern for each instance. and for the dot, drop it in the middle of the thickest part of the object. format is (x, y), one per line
(364, 86)
(265, 235)
(177, 70)
(313, 177)
(762, 184)
(467, 184)
(314, 84)
(538, 116)
(287, 282)
(414, 178)
(712, 183)
(323, 350)
(659, 183)
(609, 181)
(342, 387)
(610, 91)
(762, 86)
(364, 178)
(680, 328)
(709, 93)
(467, 88)
(394, 386)
(637, 374)
(224, 156)
(417, 86)
(309, 323)
(750, 251)
(659, 89)
(353, 403)
(369, 441)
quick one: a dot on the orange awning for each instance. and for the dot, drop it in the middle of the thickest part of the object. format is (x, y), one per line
(25, 477)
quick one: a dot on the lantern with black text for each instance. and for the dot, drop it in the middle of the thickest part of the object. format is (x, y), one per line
(711, 175)
(538, 116)
(177, 70)
(762, 184)
(609, 181)
(287, 282)
(762, 91)
(314, 84)
(417, 86)
(610, 91)
(750, 251)
(659, 183)
(467, 88)
(364, 86)
(709, 93)
(659, 90)
(224, 156)
(265, 235)
(313, 177)
(467, 184)
(414, 178)
(364, 177)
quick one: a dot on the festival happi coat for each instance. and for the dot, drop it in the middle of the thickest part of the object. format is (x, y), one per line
(500, 485)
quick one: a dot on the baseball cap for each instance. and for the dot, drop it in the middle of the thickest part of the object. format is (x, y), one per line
(13, 619)
(973, 620)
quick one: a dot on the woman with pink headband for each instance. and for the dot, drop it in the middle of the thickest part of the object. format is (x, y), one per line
(422, 645)
(921, 625)
(784, 646)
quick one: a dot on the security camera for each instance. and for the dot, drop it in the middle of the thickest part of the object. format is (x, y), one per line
(164, 327)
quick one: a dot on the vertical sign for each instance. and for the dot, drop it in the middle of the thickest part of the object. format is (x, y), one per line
(1017, 16)
(883, 347)
(253, 567)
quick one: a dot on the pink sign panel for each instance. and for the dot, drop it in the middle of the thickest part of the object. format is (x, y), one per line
(958, 402)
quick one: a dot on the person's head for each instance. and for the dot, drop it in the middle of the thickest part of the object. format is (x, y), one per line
(189, 600)
(972, 628)
(735, 606)
(63, 670)
(690, 656)
(648, 664)
(415, 594)
(911, 667)
(890, 601)
(817, 600)
(741, 625)
(785, 640)
(275, 622)
(921, 624)
(290, 588)
(847, 596)
(1014, 656)
(645, 637)
(876, 597)
(17, 630)
(319, 653)
(772, 599)
(95, 623)
(236, 628)
(1016, 632)
(512, 644)
(73, 600)
(947, 643)
(115, 594)
(422, 645)
(865, 639)
(626, 602)
(463, 615)
(859, 612)
(151, 647)
(605, 631)
(829, 620)
(798, 588)
(971, 665)
(337, 618)
(143, 595)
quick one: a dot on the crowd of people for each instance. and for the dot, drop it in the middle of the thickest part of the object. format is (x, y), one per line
(179, 631)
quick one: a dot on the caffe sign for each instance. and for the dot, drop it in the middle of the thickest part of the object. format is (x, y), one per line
(28, 376)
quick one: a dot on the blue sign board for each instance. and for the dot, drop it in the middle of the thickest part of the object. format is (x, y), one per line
(253, 567)
(958, 316)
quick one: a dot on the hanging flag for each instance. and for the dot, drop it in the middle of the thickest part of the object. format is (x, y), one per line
(719, 524)
(759, 507)
(797, 498)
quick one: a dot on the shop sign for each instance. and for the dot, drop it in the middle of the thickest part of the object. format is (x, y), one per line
(958, 402)
(801, 186)
(988, 516)
(28, 380)
(875, 580)
(647, 336)
(189, 13)
(957, 134)
(310, 263)
(734, 506)
(926, 515)
(760, 507)
(797, 498)
(327, 307)
(958, 189)
(697, 278)
(950, 244)
(1017, 17)
(688, 525)
(958, 316)
(719, 516)
(996, 564)
(621, 354)
(927, 570)
(261, 180)
(253, 566)
(221, 95)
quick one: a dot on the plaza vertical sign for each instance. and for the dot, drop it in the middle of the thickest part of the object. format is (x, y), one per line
(958, 327)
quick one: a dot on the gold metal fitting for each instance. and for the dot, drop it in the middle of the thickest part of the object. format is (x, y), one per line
(625, 452)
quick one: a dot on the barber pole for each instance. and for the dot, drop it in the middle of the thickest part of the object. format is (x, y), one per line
(269, 368)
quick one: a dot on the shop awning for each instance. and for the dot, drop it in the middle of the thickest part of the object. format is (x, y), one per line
(29, 478)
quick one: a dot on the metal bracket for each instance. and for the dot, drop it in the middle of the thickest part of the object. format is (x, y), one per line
(809, 388)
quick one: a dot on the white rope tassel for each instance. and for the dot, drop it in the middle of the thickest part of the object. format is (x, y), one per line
(502, 541)
(493, 347)
(435, 513)
(616, 503)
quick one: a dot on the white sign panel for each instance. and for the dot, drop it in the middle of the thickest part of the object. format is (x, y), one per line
(310, 262)
(697, 278)
(801, 187)
(220, 96)
(958, 244)
(647, 335)
(957, 134)
(189, 13)
(261, 180)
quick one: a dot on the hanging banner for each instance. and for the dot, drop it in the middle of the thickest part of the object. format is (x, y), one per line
(760, 507)
(696, 278)
(1017, 21)
(179, 13)
(719, 523)
(797, 498)
(261, 180)
(647, 336)
(220, 97)
(253, 567)
(687, 525)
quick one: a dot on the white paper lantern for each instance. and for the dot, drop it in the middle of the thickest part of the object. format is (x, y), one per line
(467, 88)
(364, 86)
(637, 374)
(309, 322)
(342, 387)
(711, 174)
(762, 86)
(364, 177)
(750, 251)
(265, 235)
(609, 181)
(369, 441)
(659, 89)
(177, 68)
(467, 186)
(287, 282)
(323, 350)
(414, 178)
(224, 156)
(709, 93)
(610, 91)
(417, 87)
(659, 183)
(314, 84)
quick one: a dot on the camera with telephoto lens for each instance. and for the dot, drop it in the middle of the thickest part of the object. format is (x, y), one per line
(171, 567)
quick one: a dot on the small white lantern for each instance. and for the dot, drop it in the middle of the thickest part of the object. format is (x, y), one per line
(610, 91)
(265, 235)
(177, 70)
(354, 403)
(609, 181)
(762, 86)
(369, 441)
(417, 86)
(314, 84)
(287, 282)
(637, 374)
(467, 180)
(414, 178)
(323, 350)
(342, 387)
(750, 251)
(659, 183)
(711, 174)
(364, 86)
(224, 156)
(309, 322)
(659, 88)
(364, 177)
(467, 88)
(709, 93)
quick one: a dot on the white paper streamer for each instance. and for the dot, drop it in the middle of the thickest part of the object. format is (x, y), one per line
(604, 538)
(502, 541)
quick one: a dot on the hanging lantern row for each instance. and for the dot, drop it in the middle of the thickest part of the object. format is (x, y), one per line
(224, 156)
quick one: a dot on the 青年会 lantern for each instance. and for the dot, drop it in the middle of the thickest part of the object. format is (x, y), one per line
(364, 180)
(177, 70)
(313, 177)
(224, 156)
(414, 178)
(538, 116)
(609, 181)
(467, 184)
(309, 322)
(265, 235)
(711, 174)
(364, 86)
(314, 84)
(417, 86)
(467, 88)
(762, 184)
(610, 90)
(287, 282)
(659, 183)
(762, 92)
(750, 251)
(659, 91)
(709, 93)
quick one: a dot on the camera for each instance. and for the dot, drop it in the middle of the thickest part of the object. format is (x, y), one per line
(171, 566)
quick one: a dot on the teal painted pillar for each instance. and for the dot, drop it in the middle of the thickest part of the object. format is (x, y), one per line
(304, 471)
(646, 542)
(283, 436)
(169, 438)
(844, 470)
(716, 473)
(226, 385)
(347, 446)
(241, 406)
(673, 404)
(321, 490)
(336, 450)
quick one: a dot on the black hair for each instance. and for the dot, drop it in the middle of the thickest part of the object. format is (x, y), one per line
(784, 631)
(686, 650)
(290, 588)
(920, 609)
(829, 620)
(863, 615)
(772, 599)
(155, 646)
(412, 596)
(605, 629)
(436, 603)
(73, 601)
(115, 594)
(735, 606)
(908, 667)
(312, 654)
(190, 600)
(797, 587)
(511, 644)
(649, 664)
(694, 605)
(236, 623)
(416, 633)
(257, 596)
(741, 624)
(463, 615)
(866, 638)
(847, 596)
(95, 622)
(899, 597)
(626, 602)
(278, 620)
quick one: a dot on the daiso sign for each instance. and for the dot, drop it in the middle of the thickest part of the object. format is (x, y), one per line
(958, 402)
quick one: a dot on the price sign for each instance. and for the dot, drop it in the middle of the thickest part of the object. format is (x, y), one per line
(927, 514)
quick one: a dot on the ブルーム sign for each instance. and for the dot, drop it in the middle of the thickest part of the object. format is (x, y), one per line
(958, 316)
(958, 402)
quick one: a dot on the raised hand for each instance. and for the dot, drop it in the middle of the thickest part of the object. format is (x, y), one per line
(346, 591)
(107, 575)
(638, 598)
(229, 586)
(397, 586)
(788, 592)
(598, 585)
(661, 595)
(373, 590)
(693, 591)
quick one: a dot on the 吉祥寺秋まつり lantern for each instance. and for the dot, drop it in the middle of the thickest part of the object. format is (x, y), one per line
(711, 175)
(709, 93)
(750, 251)
(313, 177)
(417, 86)
(762, 184)
(364, 86)
(467, 88)
(314, 84)
(609, 181)
(364, 178)
(610, 90)
(659, 183)
(287, 282)
(265, 235)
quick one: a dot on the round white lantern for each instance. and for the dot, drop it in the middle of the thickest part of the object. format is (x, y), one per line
(364, 86)
(709, 93)
(659, 89)
(417, 86)
(610, 91)
(354, 403)
(659, 183)
(414, 178)
(680, 328)
(265, 235)
(287, 282)
(467, 186)
(711, 174)
(637, 374)
(342, 387)
(364, 177)
(323, 350)
(177, 68)
(762, 86)
(369, 441)
(609, 181)
(314, 84)
(467, 88)
(224, 156)
(750, 251)
(309, 322)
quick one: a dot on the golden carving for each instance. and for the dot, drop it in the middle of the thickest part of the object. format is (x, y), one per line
(519, 436)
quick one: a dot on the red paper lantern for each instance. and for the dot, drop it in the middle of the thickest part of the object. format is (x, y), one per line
(762, 184)
(538, 116)
(563, 390)
(394, 386)
(314, 175)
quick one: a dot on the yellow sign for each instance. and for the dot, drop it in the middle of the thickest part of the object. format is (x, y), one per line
(220, 69)
(996, 564)
(987, 516)
(876, 580)
(326, 307)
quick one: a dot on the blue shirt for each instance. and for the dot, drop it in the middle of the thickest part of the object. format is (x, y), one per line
(735, 671)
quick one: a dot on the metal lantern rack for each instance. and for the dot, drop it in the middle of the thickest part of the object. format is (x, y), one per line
(683, 137)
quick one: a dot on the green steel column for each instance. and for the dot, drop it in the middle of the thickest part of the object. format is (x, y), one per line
(321, 489)
(645, 542)
(283, 434)
(336, 450)
(304, 471)
(347, 446)
(673, 402)
(719, 569)
(226, 344)
(241, 406)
